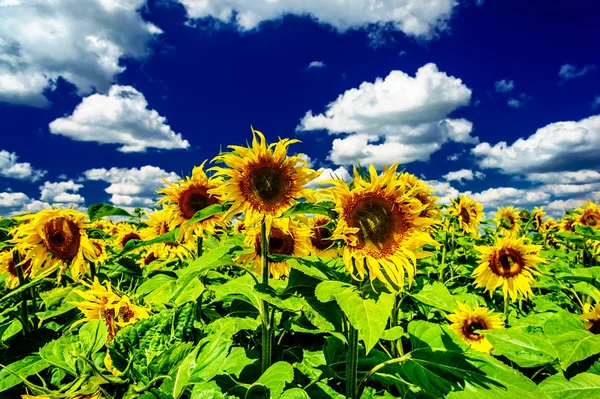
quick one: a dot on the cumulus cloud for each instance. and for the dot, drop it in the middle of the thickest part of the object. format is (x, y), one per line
(120, 117)
(9, 167)
(504, 85)
(421, 18)
(502, 196)
(408, 113)
(560, 146)
(463, 174)
(42, 40)
(330, 174)
(316, 65)
(443, 190)
(64, 192)
(566, 177)
(134, 187)
(570, 71)
(13, 200)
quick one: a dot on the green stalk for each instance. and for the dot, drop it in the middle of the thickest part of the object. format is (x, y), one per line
(92, 270)
(199, 246)
(267, 331)
(442, 265)
(24, 315)
(506, 310)
(352, 363)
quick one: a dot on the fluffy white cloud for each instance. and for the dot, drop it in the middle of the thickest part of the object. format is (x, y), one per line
(566, 177)
(502, 196)
(61, 192)
(504, 85)
(133, 187)
(120, 117)
(13, 200)
(316, 65)
(330, 174)
(443, 190)
(41, 40)
(399, 118)
(558, 146)
(9, 167)
(463, 174)
(561, 190)
(570, 71)
(420, 18)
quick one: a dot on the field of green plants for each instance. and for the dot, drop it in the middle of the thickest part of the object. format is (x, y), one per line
(248, 281)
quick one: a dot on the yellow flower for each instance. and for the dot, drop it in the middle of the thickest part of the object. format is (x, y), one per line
(508, 220)
(101, 303)
(158, 223)
(100, 250)
(321, 243)
(466, 322)
(538, 219)
(588, 215)
(262, 181)
(592, 316)
(379, 222)
(168, 251)
(55, 239)
(469, 214)
(511, 263)
(188, 196)
(7, 265)
(424, 193)
(551, 224)
(285, 238)
(106, 225)
(567, 225)
(125, 233)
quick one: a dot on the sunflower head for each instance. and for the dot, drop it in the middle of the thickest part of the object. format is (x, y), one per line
(424, 193)
(261, 180)
(592, 317)
(510, 264)
(508, 220)
(566, 224)
(538, 219)
(126, 232)
(7, 265)
(320, 239)
(588, 215)
(470, 325)
(468, 212)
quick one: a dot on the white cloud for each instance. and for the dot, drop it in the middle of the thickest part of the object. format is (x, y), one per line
(463, 174)
(558, 146)
(561, 190)
(502, 196)
(316, 65)
(13, 200)
(41, 40)
(504, 85)
(309, 162)
(121, 117)
(422, 18)
(518, 102)
(453, 157)
(443, 190)
(408, 113)
(9, 167)
(133, 187)
(570, 71)
(330, 174)
(61, 192)
(566, 177)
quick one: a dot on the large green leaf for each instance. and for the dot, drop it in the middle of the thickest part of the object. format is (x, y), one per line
(241, 288)
(571, 340)
(582, 386)
(275, 378)
(436, 295)
(527, 346)
(205, 213)
(99, 210)
(24, 368)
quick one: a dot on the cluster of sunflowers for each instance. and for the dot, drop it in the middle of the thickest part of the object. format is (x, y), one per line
(380, 225)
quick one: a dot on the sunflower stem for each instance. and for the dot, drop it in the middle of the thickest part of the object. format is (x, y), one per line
(92, 270)
(267, 331)
(24, 315)
(199, 246)
(352, 363)
(443, 263)
(506, 309)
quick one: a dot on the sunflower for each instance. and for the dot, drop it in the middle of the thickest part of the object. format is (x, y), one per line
(379, 222)
(468, 212)
(125, 233)
(588, 215)
(550, 224)
(106, 225)
(101, 303)
(286, 237)
(320, 239)
(168, 251)
(538, 219)
(508, 220)
(567, 225)
(466, 322)
(424, 193)
(100, 250)
(188, 196)
(592, 316)
(262, 181)
(7, 265)
(55, 239)
(511, 263)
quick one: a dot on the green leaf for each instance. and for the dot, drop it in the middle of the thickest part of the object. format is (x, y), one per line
(527, 346)
(168, 359)
(275, 378)
(170, 236)
(241, 288)
(571, 340)
(13, 328)
(205, 213)
(92, 336)
(319, 208)
(295, 393)
(24, 368)
(436, 295)
(581, 386)
(99, 210)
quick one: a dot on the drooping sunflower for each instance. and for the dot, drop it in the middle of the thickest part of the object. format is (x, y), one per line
(380, 224)
(7, 265)
(469, 214)
(186, 197)
(588, 215)
(508, 220)
(538, 219)
(261, 180)
(102, 303)
(424, 193)
(321, 243)
(55, 239)
(550, 224)
(566, 224)
(511, 264)
(99, 250)
(592, 315)
(286, 237)
(466, 322)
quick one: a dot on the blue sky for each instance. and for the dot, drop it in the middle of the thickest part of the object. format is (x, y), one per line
(498, 99)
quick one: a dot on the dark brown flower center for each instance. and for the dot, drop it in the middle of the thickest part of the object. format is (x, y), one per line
(12, 268)
(268, 184)
(595, 328)
(128, 237)
(62, 238)
(507, 262)
(321, 236)
(464, 215)
(149, 259)
(591, 219)
(125, 313)
(194, 199)
(280, 243)
(470, 326)
(377, 221)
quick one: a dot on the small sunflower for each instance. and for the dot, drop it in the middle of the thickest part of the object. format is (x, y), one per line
(101, 303)
(100, 250)
(424, 193)
(538, 219)
(466, 322)
(592, 316)
(188, 196)
(168, 251)
(381, 225)
(106, 225)
(55, 239)
(567, 225)
(7, 265)
(588, 215)
(511, 263)
(286, 237)
(469, 214)
(262, 181)
(509, 220)
(125, 233)
(321, 243)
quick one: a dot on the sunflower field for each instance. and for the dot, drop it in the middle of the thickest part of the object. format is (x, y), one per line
(249, 281)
